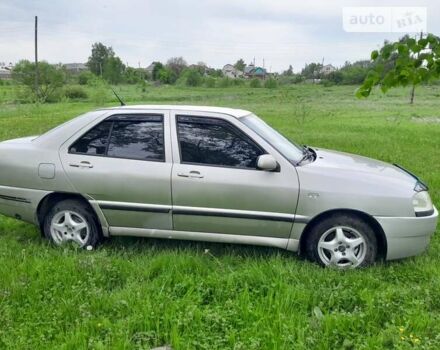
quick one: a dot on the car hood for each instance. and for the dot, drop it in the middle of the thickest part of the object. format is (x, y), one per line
(351, 163)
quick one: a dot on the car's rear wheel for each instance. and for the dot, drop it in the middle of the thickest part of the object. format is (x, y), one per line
(71, 221)
(342, 241)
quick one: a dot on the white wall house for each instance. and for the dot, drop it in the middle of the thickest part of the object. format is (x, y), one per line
(231, 72)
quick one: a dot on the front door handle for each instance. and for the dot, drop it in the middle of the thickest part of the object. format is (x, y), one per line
(193, 174)
(83, 164)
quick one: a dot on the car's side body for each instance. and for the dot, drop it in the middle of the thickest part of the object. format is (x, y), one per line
(171, 198)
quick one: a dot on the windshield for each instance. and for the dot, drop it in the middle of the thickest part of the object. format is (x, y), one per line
(288, 149)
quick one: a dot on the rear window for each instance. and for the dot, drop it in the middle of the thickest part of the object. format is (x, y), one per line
(139, 137)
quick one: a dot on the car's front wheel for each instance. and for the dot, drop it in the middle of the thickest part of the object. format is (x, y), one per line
(342, 241)
(71, 221)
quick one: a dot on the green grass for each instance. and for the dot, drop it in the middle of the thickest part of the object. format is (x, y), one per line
(140, 293)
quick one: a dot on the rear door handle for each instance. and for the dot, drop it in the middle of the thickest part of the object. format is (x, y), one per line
(193, 174)
(83, 164)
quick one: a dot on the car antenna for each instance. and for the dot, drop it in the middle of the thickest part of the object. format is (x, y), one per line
(122, 102)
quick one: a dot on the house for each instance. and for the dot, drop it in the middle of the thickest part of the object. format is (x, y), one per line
(327, 69)
(6, 71)
(75, 68)
(5, 74)
(150, 68)
(231, 72)
(252, 71)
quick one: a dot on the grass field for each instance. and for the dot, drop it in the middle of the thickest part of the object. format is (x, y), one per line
(142, 293)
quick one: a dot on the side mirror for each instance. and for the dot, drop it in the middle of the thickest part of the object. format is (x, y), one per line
(267, 162)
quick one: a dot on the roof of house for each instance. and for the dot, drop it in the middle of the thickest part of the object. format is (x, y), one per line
(73, 66)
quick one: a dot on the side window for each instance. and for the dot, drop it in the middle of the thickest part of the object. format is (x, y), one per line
(215, 142)
(125, 136)
(141, 140)
(94, 142)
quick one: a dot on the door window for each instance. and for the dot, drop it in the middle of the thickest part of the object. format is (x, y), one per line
(211, 141)
(129, 136)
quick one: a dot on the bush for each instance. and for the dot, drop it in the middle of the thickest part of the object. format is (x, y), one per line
(100, 92)
(50, 80)
(255, 83)
(225, 82)
(192, 77)
(85, 77)
(75, 92)
(238, 82)
(210, 82)
(270, 83)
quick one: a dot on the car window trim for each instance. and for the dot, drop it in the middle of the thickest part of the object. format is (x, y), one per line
(137, 117)
(229, 124)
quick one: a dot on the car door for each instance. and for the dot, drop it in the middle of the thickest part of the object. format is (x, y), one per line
(216, 185)
(123, 163)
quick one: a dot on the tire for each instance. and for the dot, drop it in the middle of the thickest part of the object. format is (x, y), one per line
(72, 221)
(342, 241)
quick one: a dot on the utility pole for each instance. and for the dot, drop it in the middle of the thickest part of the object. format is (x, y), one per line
(36, 57)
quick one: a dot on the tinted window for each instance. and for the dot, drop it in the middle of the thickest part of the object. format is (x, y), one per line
(215, 142)
(137, 140)
(125, 136)
(94, 142)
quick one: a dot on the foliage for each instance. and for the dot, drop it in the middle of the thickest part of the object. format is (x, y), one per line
(271, 83)
(240, 65)
(134, 75)
(99, 57)
(288, 80)
(176, 65)
(74, 92)
(192, 77)
(210, 82)
(289, 71)
(225, 82)
(113, 70)
(255, 83)
(216, 73)
(355, 73)
(311, 71)
(412, 62)
(335, 77)
(84, 77)
(50, 79)
(167, 76)
(100, 91)
(156, 70)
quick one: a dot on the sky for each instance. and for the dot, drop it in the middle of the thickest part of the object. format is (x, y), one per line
(276, 33)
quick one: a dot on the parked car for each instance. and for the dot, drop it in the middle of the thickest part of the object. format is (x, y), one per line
(211, 174)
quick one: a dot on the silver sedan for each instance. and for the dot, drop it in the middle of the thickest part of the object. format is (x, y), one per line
(211, 174)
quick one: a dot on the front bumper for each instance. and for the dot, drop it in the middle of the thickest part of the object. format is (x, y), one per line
(407, 236)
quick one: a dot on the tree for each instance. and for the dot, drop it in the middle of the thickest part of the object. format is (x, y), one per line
(167, 76)
(50, 79)
(412, 62)
(156, 69)
(289, 71)
(99, 57)
(240, 65)
(192, 77)
(312, 71)
(113, 70)
(177, 65)
(335, 77)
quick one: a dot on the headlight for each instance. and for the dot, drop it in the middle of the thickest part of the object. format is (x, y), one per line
(422, 204)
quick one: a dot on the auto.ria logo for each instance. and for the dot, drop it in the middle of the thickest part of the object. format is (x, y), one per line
(384, 19)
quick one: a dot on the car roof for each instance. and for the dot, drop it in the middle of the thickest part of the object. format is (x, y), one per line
(237, 113)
